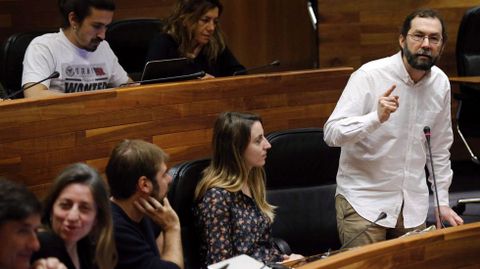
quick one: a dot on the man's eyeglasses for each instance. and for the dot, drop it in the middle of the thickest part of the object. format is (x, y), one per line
(435, 40)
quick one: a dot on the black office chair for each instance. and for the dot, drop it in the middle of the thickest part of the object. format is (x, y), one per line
(185, 178)
(130, 39)
(468, 64)
(13, 52)
(301, 180)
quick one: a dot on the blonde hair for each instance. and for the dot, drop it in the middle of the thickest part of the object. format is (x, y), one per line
(228, 170)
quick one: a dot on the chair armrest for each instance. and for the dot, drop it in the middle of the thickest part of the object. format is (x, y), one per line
(281, 245)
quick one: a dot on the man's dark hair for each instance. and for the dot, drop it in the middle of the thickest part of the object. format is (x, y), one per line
(423, 13)
(82, 8)
(17, 202)
(130, 160)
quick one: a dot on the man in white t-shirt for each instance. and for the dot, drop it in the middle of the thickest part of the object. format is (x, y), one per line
(77, 52)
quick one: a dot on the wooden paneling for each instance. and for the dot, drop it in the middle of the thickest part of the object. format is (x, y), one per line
(261, 31)
(455, 247)
(352, 33)
(40, 137)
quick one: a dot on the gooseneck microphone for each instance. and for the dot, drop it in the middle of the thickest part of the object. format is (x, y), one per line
(381, 216)
(295, 263)
(246, 70)
(426, 131)
(53, 75)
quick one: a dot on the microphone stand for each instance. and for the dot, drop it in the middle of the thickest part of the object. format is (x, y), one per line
(312, 258)
(426, 131)
(246, 70)
(312, 9)
(380, 217)
(53, 75)
(324, 255)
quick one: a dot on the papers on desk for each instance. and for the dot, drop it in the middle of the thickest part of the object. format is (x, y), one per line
(239, 262)
(428, 229)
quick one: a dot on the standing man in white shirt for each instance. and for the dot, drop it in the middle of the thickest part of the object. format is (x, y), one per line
(77, 52)
(378, 123)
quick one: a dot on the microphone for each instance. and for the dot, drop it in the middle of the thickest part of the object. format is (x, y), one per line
(381, 216)
(199, 74)
(311, 14)
(246, 70)
(426, 131)
(53, 75)
(299, 262)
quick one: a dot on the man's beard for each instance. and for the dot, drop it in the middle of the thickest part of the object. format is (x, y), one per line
(156, 191)
(415, 61)
(94, 45)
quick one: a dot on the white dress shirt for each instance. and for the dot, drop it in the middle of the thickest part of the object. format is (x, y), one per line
(382, 164)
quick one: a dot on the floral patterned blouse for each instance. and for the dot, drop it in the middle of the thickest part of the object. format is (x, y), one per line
(230, 224)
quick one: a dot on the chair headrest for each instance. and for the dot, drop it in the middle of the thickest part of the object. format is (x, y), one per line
(185, 179)
(468, 40)
(13, 52)
(130, 39)
(300, 158)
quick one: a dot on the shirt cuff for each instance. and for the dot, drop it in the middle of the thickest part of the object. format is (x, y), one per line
(372, 121)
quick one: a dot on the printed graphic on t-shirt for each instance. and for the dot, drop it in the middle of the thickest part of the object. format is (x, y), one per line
(83, 77)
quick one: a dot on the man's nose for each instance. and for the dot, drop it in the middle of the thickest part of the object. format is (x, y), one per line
(101, 33)
(426, 42)
(34, 244)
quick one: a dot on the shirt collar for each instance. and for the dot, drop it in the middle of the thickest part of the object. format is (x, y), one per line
(80, 51)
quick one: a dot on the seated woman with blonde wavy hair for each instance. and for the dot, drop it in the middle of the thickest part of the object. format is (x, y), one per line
(231, 210)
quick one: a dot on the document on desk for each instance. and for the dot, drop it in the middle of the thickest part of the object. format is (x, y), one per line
(239, 262)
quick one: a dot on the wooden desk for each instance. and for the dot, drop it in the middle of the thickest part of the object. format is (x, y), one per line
(38, 138)
(473, 80)
(456, 247)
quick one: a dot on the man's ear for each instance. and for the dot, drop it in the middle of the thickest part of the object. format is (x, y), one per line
(144, 185)
(442, 49)
(72, 19)
(401, 41)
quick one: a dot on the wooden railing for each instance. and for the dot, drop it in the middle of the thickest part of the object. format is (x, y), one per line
(455, 247)
(40, 137)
